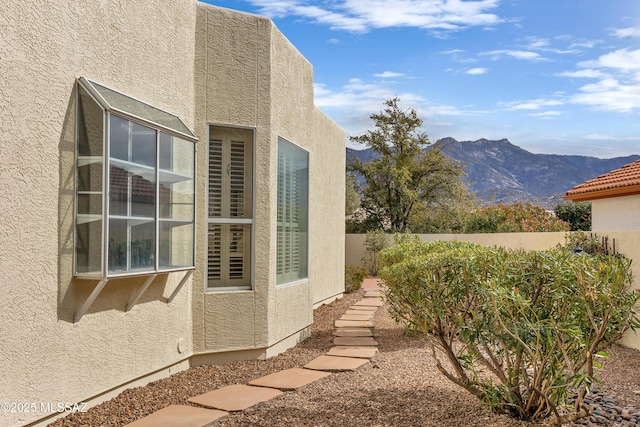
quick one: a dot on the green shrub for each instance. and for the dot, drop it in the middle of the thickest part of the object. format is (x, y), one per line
(353, 277)
(519, 329)
(578, 215)
(515, 218)
(374, 242)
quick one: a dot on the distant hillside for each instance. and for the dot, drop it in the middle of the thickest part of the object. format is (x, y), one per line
(500, 172)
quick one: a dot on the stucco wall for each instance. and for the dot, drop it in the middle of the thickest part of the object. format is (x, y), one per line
(45, 46)
(232, 89)
(249, 75)
(295, 118)
(616, 213)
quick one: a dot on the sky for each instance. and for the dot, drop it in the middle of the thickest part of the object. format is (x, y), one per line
(552, 76)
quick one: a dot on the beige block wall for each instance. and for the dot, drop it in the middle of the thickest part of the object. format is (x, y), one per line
(616, 213)
(626, 243)
(45, 46)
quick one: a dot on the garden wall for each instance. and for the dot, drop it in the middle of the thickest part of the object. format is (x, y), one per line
(626, 243)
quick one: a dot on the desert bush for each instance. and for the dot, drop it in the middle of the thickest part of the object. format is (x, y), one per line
(578, 215)
(374, 242)
(590, 244)
(353, 277)
(520, 330)
(514, 218)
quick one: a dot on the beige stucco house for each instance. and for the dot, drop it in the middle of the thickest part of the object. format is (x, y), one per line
(171, 196)
(615, 198)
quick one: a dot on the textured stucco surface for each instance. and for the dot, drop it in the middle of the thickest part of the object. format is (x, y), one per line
(616, 213)
(44, 47)
(208, 66)
(249, 75)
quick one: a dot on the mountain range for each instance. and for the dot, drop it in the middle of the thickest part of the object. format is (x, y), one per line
(501, 172)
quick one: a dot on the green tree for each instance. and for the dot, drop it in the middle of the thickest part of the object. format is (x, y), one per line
(448, 214)
(578, 215)
(352, 198)
(404, 175)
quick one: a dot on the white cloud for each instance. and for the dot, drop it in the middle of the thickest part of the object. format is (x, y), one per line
(535, 104)
(477, 71)
(624, 33)
(546, 114)
(589, 73)
(352, 104)
(388, 74)
(365, 15)
(622, 59)
(600, 137)
(618, 81)
(517, 54)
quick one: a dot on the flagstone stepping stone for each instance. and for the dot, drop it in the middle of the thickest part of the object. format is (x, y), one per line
(351, 351)
(369, 313)
(356, 341)
(374, 295)
(371, 283)
(289, 379)
(356, 317)
(363, 308)
(235, 397)
(179, 416)
(353, 332)
(353, 324)
(335, 364)
(370, 302)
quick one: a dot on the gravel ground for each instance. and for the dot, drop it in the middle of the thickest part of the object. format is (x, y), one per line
(401, 387)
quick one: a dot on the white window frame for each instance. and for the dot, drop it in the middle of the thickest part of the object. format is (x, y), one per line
(225, 221)
(159, 121)
(307, 219)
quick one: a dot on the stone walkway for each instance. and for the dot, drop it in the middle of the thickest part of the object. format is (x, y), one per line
(354, 346)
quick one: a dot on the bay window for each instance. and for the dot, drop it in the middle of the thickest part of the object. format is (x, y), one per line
(135, 187)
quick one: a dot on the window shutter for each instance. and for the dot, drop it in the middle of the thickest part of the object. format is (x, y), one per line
(230, 207)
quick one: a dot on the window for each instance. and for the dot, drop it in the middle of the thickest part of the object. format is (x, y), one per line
(293, 212)
(230, 208)
(135, 187)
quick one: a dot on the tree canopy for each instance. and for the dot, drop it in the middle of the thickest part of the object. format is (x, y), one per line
(404, 177)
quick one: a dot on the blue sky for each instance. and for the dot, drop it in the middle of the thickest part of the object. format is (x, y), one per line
(552, 76)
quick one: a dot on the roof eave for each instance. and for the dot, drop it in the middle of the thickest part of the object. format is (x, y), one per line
(603, 194)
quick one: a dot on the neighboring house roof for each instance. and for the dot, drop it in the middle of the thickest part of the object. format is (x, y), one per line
(620, 182)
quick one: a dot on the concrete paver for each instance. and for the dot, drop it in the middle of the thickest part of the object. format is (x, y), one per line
(357, 341)
(179, 416)
(235, 397)
(363, 308)
(356, 317)
(360, 313)
(354, 346)
(373, 294)
(353, 324)
(335, 364)
(352, 332)
(352, 351)
(289, 379)
(370, 302)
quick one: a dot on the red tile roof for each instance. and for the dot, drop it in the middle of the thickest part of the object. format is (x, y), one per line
(620, 182)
